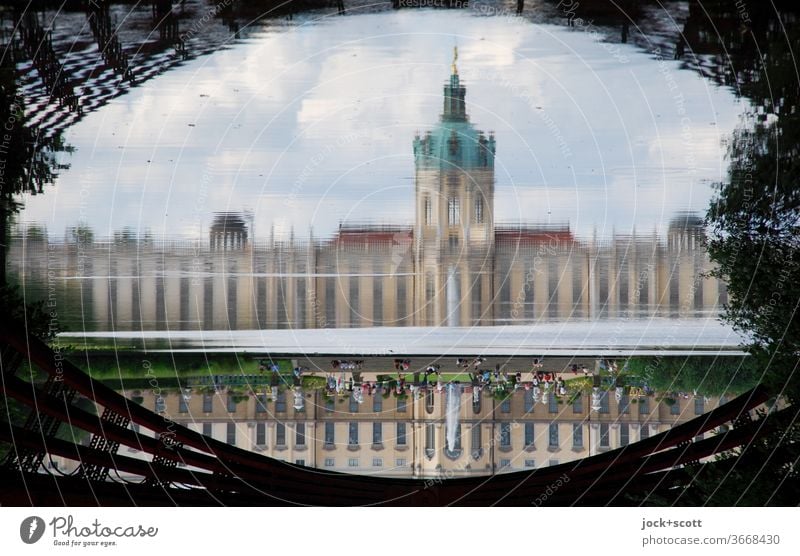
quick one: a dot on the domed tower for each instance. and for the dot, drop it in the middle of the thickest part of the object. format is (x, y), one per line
(454, 223)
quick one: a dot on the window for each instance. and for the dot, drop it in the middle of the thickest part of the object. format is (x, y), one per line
(208, 403)
(401, 405)
(280, 403)
(183, 407)
(452, 143)
(477, 449)
(231, 404)
(401, 434)
(528, 397)
(604, 402)
(505, 406)
(330, 462)
(699, 406)
(528, 434)
(624, 434)
(400, 462)
(352, 462)
(453, 212)
(577, 404)
(377, 307)
(430, 440)
(377, 462)
(353, 302)
(452, 242)
(505, 435)
(479, 210)
(161, 404)
(231, 436)
(577, 435)
(553, 435)
(377, 402)
(644, 405)
(206, 429)
(604, 435)
(261, 434)
(553, 462)
(456, 451)
(624, 405)
(377, 433)
(261, 403)
(504, 463)
(352, 437)
(553, 404)
(300, 462)
(645, 432)
(329, 405)
(530, 463)
(353, 403)
(675, 408)
(428, 211)
(300, 434)
(329, 433)
(429, 399)
(280, 434)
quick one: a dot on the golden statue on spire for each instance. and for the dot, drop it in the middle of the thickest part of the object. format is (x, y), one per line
(455, 58)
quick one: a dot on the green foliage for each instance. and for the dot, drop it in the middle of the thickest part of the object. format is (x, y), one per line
(755, 220)
(500, 394)
(313, 382)
(580, 384)
(34, 316)
(12, 412)
(708, 376)
(167, 365)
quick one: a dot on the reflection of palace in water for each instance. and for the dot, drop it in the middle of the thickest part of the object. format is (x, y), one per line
(406, 437)
(454, 267)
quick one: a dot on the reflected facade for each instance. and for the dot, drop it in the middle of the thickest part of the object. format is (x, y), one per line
(455, 266)
(406, 437)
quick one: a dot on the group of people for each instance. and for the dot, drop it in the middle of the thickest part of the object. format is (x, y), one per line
(339, 384)
(487, 376)
(548, 381)
(268, 366)
(609, 365)
(542, 384)
(347, 365)
(574, 368)
(466, 363)
(402, 365)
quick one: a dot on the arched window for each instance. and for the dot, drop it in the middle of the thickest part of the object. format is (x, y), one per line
(430, 440)
(479, 210)
(477, 398)
(429, 399)
(453, 212)
(455, 453)
(476, 446)
(428, 211)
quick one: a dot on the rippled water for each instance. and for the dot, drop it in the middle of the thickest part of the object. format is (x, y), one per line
(457, 182)
(313, 176)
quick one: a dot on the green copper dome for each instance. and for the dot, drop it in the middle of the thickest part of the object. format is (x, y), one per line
(454, 143)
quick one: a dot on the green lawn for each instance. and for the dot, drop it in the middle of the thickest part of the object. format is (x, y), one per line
(129, 369)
